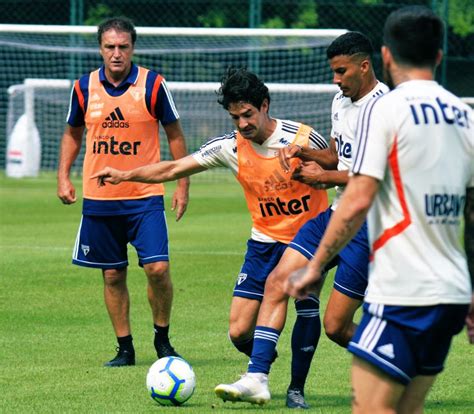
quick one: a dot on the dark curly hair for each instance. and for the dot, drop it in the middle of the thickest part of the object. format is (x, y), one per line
(241, 85)
(120, 24)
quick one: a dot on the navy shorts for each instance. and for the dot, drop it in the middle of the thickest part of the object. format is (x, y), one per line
(260, 260)
(407, 341)
(101, 241)
(352, 262)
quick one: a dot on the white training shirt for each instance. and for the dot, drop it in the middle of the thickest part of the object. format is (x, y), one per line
(344, 114)
(418, 140)
(222, 152)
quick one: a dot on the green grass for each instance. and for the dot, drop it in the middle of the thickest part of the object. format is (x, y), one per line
(55, 333)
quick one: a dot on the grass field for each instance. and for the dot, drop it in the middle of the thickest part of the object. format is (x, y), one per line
(55, 333)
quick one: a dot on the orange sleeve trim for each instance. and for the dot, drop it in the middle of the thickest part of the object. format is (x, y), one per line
(406, 221)
(154, 94)
(80, 95)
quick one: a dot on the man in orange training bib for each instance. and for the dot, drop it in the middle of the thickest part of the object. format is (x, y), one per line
(120, 105)
(279, 206)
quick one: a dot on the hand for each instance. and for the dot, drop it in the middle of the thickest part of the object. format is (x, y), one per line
(66, 191)
(180, 200)
(310, 173)
(470, 322)
(286, 153)
(302, 282)
(108, 175)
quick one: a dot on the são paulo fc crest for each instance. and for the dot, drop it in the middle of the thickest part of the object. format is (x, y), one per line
(241, 278)
(85, 249)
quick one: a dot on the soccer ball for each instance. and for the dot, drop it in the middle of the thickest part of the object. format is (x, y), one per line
(171, 381)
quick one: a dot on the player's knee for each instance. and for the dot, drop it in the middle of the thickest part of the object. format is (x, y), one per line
(239, 333)
(274, 286)
(114, 277)
(157, 273)
(335, 330)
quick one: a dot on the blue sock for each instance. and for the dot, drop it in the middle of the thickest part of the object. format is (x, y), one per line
(244, 346)
(304, 340)
(264, 343)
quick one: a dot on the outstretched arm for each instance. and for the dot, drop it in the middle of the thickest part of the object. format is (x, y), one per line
(152, 173)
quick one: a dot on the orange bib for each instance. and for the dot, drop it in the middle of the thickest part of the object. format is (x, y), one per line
(122, 134)
(279, 206)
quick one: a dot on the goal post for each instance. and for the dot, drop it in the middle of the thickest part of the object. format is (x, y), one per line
(43, 60)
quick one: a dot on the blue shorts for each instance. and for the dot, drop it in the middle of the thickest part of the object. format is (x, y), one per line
(101, 241)
(352, 262)
(260, 260)
(407, 341)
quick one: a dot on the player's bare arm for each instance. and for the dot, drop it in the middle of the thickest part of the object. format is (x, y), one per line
(327, 158)
(177, 145)
(159, 172)
(311, 173)
(344, 224)
(70, 147)
(469, 247)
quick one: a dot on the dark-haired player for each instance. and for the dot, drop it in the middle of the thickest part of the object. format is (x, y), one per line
(278, 205)
(413, 175)
(350, 60)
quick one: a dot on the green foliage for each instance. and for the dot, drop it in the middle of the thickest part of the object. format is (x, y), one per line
(97, 13)
(274, 23)
(461, 17)
(214, 18)
(307, 17)
(56, 333)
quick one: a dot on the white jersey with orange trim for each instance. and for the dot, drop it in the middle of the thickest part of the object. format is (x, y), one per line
(222, 152)
(418, 140)
(344, 114)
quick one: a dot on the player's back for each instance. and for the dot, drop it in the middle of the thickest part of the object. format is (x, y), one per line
(414, 225)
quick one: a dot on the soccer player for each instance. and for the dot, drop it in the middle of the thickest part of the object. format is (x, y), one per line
(413, 174)
(278, 205)
(120, 105)
(350, 60)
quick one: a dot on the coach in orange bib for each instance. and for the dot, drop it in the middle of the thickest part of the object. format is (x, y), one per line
(120, 105)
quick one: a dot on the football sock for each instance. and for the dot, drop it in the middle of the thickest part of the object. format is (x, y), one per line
(264, 343)
(161, 334)
(304, 340)
(125, 343)
(244, 346)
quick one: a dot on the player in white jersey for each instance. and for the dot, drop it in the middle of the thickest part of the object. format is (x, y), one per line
(413, 172)
(278, 205)
(350, 59)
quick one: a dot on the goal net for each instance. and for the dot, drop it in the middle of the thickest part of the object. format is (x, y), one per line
(41, 62)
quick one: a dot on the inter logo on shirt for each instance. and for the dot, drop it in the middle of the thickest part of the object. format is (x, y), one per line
(115, 120)
(108, 145)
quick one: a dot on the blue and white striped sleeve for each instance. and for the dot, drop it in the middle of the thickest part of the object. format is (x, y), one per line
(372, 144)
(217, 152)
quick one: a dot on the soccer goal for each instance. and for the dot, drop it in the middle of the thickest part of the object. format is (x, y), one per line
(42, 61)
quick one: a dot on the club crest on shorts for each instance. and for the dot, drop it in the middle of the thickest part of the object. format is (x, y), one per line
(85, 249)
(241, 278)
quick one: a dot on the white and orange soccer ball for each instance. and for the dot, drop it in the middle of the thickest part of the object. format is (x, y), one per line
(171, 381)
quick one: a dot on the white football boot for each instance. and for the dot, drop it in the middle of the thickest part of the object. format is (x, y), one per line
(251, 387)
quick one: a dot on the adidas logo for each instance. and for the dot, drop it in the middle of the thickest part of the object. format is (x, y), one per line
(307, 348)
(387, 350)
(115, 120)
(336, 116)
